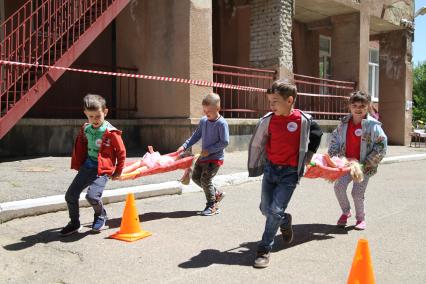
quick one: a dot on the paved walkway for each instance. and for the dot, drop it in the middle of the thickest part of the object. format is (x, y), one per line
(39, 177)
(188, 248)
(37, 185)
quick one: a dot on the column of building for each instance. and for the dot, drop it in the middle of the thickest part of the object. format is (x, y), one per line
(270, 35)
(172, 39)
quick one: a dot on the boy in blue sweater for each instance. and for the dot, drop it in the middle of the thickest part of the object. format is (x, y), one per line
(214, 134)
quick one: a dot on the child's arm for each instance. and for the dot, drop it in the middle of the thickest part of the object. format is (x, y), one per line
(120, 150)
(334, 146)
(223, 140)
(79, 152)
(195, 137)
(315, 135)
(379, 149)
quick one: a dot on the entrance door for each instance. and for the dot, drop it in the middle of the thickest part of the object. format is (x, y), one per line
(324, 61)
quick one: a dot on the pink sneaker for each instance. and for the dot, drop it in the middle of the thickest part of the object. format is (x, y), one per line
(360, 225)
(343, 220)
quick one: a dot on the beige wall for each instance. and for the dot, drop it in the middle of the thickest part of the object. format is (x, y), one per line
(201, 52)
(395, 86)
(349, 48)
(391, 10)
(167, 38)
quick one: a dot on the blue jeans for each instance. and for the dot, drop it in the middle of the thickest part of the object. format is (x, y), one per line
(86, 177)
(278, 185)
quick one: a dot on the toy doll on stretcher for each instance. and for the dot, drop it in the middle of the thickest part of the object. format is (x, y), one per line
(331, 169)
(154, 163)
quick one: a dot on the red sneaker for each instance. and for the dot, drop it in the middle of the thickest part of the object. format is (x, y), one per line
(343, 220)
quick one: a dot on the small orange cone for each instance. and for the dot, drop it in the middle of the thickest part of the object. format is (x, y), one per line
(362, 268)
(130, 229)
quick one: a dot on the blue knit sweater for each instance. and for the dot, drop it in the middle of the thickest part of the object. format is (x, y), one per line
(214, 137)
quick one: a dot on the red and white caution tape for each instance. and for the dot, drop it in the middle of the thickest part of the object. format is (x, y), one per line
(139, 76)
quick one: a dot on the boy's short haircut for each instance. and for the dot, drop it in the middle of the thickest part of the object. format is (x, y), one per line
(211, 99)
(94, 102)
(284, 87)
(360, 97)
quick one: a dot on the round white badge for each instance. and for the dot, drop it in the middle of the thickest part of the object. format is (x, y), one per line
(292, 126)
(98, 142)
(358, 132)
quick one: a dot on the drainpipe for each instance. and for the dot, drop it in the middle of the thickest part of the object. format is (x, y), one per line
(114, 69)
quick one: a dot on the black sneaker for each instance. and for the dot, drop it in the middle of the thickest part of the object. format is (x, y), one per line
(70, 229)
(287, 230)
(99, 222)
(262, 259)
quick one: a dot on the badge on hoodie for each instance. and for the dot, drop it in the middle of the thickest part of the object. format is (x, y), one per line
(292, 126)
(358, 132)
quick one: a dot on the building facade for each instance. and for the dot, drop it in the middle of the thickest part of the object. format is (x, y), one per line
(363, 42)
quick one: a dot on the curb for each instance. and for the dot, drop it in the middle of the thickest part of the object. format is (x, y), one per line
(405, 158)
(37, 206)
(31, 207)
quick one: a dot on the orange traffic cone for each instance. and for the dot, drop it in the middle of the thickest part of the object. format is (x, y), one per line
(130, 229)
(362, 268)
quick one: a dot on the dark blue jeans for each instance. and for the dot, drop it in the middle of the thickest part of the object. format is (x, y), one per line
(86, 177)
(278, 185)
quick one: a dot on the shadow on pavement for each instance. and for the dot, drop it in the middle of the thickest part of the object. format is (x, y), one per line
(245, 253)
(115, 223)
(44, 237)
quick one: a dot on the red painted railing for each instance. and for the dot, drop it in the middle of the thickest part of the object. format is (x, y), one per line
(323, 98)
(41, 31)
(242, 104)
(45, 32)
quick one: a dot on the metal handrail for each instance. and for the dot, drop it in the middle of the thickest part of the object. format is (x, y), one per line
(40, 32)
(323, 98)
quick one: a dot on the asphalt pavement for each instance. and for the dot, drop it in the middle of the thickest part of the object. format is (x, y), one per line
(188, 248)
(35, 177)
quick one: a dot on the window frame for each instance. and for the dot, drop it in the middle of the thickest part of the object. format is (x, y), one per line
(375, 75)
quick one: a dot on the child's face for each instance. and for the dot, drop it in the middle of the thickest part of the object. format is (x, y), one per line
(358, 110)
(212, 112)
(96, 117)
(279, 105)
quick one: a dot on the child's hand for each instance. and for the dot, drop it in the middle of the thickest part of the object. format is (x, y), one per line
(204, 153)
(115, 176)
(180, 149)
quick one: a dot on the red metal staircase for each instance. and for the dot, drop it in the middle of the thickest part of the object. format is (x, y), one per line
(47, 32)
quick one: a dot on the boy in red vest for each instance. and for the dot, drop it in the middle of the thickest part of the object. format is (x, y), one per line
(284, 141)
(98, 153)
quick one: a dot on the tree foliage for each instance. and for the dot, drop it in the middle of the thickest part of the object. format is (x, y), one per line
(419, 92)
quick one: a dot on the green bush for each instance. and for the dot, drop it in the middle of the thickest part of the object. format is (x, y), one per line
(419, 94)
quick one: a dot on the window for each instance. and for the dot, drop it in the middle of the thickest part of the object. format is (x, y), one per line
(324, 60)
(373, 74)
